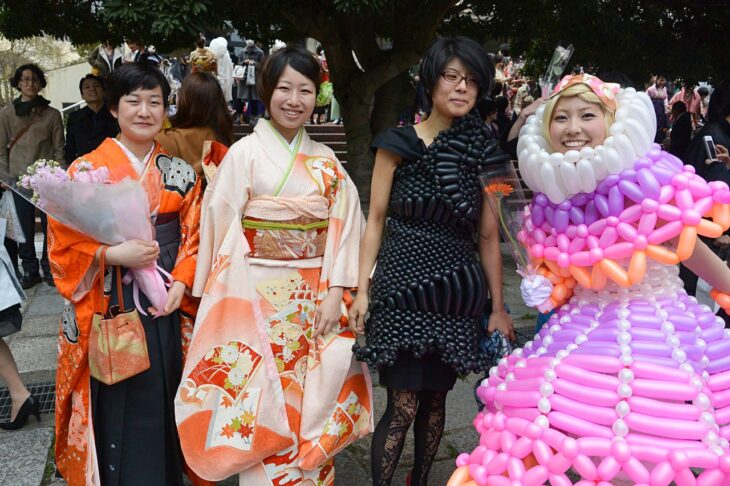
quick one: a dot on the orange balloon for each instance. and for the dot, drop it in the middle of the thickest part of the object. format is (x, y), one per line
(637, 267)
(662, 254)
(459, 477)
(709, 229)
(598, 278)
(687, 240)
(581, 275)
(721, 215)
(614, 271)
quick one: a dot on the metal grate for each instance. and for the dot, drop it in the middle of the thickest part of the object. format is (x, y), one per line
(523, 335)
(45, 392)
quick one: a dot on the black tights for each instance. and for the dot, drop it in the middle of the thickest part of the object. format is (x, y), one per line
(428, 409)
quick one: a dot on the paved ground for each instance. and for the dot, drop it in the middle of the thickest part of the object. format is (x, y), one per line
(26, 456)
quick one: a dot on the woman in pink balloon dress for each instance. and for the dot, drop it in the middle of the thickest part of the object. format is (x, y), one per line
(630, 379)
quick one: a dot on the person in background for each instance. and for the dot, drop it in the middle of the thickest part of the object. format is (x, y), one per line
(526, 94)
(24, 404)
(89, 126)
(705, 98)
(503, 118)
(251, 57)
(29, 130)
(488, 111)
(681, 130)
(690, 98)
(202, 114)
(105, 58)
(203, 59)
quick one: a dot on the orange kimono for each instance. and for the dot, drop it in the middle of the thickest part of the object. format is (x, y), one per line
(260, 396)
(79, 453)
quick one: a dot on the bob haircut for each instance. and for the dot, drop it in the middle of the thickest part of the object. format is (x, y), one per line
(298, 58)
(90, 76)
(133, 76)
(582, 91)
(38, 72)
(443, 50)
(200, 103)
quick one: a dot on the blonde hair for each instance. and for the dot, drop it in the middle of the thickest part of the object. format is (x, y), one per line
(582, 91)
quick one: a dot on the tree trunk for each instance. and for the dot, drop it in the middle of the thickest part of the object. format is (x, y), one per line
(356, 108)
(391, 99)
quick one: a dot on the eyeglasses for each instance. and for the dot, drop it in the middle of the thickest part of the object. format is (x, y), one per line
(30, 80)
(456, 78)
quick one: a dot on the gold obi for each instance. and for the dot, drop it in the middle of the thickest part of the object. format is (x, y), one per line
(280, 228)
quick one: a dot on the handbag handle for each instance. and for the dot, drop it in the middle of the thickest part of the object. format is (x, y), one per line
(118, 270)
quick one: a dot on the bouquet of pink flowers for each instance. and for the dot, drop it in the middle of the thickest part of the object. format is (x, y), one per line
(111, 213)
(506, 199)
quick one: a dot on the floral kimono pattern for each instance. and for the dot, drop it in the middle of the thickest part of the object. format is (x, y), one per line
(259, 395)
(76, 276)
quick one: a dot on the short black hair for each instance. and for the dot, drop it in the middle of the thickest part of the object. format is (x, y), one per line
(443, 50)
(90, 76)
(679, 107)
(502, 103)
(38, 72)
(703, 91)
(719, 107)
(133, 76)
(300, 59)
(486, 107)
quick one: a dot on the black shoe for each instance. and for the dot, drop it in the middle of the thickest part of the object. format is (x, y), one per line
(29, 407)
(48, 278)
(30, 280)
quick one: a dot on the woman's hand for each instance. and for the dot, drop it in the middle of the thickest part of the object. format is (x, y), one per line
(358, 309)
(722, 155)
(328, 312)
(502, 322)
(532, 108)
(174, 298)
(133, 254)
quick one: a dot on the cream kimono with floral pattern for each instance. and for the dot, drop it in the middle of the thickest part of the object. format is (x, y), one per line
(259, 396)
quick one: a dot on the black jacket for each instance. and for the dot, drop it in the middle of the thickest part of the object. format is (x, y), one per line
(681, 135)
(696, 155)
(86, 130)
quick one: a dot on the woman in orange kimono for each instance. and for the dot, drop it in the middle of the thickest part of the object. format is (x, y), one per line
(271, 389)
(125, 434)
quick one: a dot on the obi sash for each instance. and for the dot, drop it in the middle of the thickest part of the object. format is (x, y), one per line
(286, 228)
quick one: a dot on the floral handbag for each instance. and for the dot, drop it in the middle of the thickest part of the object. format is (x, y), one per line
(117, 343)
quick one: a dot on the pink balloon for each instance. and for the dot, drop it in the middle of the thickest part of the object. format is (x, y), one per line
(662, 474)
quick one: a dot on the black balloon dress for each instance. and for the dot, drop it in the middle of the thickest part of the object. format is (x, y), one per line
(429, 293)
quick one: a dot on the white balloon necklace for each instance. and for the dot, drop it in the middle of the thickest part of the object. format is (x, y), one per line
(562, 176)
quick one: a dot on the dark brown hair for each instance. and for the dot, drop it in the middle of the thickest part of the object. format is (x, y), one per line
(200, 103)
(300, 59)
(38, 72)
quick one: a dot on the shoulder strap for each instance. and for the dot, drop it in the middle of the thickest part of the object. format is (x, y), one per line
(23, 130)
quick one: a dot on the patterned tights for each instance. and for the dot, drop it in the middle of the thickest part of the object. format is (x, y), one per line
(428, 410)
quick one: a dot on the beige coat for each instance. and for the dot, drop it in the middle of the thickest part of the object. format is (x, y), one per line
(43, 140)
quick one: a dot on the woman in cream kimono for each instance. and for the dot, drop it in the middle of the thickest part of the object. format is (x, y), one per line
(270, 388)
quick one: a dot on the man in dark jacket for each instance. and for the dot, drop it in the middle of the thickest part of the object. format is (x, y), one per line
(89, 126)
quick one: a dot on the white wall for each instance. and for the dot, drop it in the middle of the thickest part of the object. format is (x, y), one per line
(63, 84)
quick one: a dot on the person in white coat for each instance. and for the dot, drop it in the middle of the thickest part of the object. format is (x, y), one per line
(219, 46)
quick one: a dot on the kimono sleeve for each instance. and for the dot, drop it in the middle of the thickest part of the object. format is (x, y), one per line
(223, 204)
(184, 270)
(346, 226)
(72, 260)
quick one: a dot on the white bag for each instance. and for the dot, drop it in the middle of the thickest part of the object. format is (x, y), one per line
(13, 230)
(239, 72)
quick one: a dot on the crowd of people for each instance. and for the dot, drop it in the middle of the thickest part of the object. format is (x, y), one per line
(281, 296)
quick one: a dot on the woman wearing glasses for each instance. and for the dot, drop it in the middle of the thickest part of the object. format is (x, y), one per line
(429, 288)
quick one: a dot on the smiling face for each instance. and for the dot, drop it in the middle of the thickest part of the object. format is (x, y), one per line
(140, 115)
(455, 98)
(292, 102)
(575, 124)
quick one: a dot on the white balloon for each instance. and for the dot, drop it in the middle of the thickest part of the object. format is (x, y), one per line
(572, 156)
(638, 136)
(550, 184)
(570, 177)
(586, 176)
(612, 160)
(624, 148)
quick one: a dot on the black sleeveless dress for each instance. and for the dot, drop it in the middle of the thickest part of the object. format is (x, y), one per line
(429, 293)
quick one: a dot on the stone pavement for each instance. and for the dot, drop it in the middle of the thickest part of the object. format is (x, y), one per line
(26, 456)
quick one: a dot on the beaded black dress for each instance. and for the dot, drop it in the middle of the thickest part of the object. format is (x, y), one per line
(428, 292)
